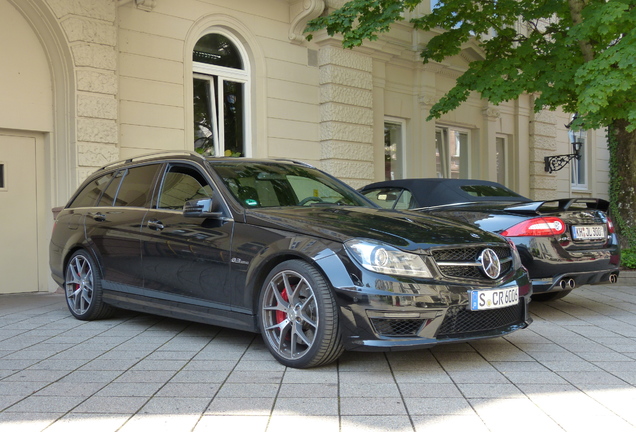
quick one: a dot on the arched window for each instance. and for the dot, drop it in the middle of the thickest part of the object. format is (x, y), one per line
(221, 96)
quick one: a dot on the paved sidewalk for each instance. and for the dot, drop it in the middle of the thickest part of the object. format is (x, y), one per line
(573, 369)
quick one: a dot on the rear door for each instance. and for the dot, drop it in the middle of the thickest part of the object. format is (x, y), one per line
(113, 226)
(187, 259)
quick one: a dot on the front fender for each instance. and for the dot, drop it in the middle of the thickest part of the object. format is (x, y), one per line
(251, 263)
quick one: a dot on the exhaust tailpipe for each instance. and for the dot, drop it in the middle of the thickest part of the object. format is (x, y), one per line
(571, 283)
(613, 278)
(563, 283)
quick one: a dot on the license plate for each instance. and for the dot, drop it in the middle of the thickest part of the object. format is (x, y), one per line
(493, 299)
(588, 232)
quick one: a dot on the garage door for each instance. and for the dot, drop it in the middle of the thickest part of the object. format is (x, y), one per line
(18, 214)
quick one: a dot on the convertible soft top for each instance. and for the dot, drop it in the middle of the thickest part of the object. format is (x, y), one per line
(429, 192)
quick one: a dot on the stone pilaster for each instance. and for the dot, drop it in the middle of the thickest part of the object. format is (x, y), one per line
(346, 113)
(543, 143)
(90, 28)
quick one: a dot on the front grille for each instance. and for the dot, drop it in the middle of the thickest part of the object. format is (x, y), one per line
(462, 262)
(397, 327)
(461, 321)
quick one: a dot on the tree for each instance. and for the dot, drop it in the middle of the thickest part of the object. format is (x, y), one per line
(579, 55)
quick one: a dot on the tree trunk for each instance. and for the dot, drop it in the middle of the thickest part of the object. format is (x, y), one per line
(623, 181)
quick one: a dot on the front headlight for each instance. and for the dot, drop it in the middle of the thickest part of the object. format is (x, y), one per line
(382, 258)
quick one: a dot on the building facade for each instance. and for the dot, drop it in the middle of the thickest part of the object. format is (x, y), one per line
(87, 82)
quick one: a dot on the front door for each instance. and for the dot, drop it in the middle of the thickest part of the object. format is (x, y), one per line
(186, 259)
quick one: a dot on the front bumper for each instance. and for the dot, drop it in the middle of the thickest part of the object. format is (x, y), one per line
(398, 315)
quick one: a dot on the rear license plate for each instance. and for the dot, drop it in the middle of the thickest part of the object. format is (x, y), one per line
(493, 299)
(588, 232)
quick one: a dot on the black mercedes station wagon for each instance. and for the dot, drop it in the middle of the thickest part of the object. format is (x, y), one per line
(283, 249)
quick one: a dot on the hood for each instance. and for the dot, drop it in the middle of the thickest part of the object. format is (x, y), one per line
(405, 230)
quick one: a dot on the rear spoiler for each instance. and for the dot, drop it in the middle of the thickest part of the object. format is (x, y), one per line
(538, 207)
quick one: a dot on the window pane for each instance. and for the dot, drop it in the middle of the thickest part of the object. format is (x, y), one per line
(385, 197)
(405, 201)
(216, 49)
(441, 153)
(89, 195)
(451, 151)
(393, 150)
(135, 188)
(233, 112)
(205, 131)
(501, 160)
(578, 167)
(182, 184)
(263, 185)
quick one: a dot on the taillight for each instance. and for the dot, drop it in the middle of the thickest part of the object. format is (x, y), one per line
(536, 227)
(610, 226)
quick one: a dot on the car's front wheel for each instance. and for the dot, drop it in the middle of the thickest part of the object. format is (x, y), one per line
(299, 317)
(83, 288)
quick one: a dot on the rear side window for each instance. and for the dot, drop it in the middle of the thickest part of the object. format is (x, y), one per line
(488, 191)
(135, 189)
(92, 191)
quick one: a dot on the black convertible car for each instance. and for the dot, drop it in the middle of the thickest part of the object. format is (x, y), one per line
(563, 243)
(283, 249)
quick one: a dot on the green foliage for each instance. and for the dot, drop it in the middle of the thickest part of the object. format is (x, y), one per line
(622, 222)
(580, 60)
(628, 258)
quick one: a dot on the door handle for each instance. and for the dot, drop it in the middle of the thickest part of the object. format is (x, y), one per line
(155, 225)
(98, 217)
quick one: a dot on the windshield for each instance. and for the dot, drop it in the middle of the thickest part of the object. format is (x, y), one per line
(263, 184)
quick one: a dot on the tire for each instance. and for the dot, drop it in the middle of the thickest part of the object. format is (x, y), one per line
(555, 295)
(83, 288)
(302, 332)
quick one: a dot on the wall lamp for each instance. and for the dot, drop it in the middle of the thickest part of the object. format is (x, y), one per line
(558, 162)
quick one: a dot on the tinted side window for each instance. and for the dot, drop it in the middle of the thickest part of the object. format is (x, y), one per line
(182, 184)
(390, 198)
(92, 191)
(135, 189)
(488, 191)
(111, 191)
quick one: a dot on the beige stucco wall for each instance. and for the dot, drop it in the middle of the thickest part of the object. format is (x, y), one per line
(25, 81)
(94, 81)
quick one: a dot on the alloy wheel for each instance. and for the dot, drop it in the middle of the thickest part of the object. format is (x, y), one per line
(79, 284)
(290, 314)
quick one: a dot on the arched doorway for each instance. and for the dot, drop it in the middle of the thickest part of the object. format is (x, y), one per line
(36, 130)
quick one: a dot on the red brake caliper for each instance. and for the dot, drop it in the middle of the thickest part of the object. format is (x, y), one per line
(281, 315)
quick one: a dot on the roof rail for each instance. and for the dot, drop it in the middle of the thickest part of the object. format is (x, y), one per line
(297, 162)
(151, 155)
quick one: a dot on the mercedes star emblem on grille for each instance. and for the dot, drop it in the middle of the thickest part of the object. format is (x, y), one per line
(490, 263)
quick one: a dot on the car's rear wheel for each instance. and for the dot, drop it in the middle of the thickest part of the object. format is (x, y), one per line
(83, 287)
(298, 316)
(555, 295)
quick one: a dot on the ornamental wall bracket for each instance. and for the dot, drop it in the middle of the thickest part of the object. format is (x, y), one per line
(146, 5)
(491, 113)
(303, 11)
(427, 101)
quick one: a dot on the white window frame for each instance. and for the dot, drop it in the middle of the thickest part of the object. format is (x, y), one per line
(445, 153)
(502, 160)
(400, 147)
(204, 71)
(576, 164)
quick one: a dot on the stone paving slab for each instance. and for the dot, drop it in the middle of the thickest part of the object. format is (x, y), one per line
(573, 369)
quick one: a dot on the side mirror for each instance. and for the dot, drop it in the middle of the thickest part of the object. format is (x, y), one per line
(200, 208)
